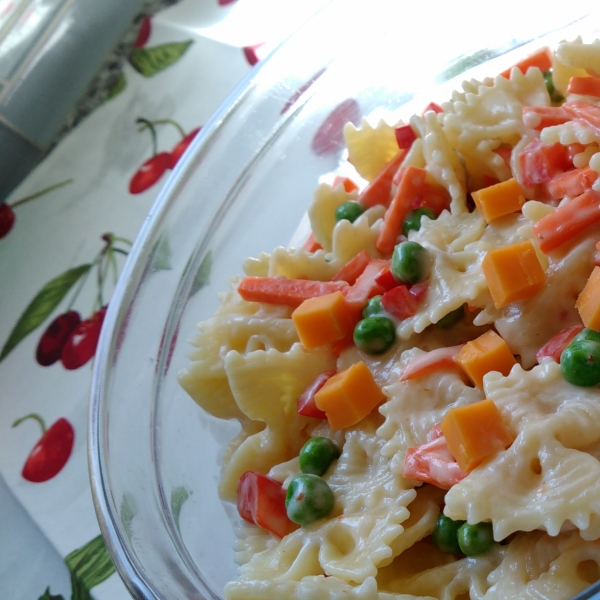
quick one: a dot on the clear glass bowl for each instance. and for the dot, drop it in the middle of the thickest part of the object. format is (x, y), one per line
(243, 188)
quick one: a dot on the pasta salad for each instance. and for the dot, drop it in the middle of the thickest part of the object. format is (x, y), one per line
(417, 385)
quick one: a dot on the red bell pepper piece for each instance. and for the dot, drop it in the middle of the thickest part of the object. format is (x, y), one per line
(405, 136)
(261, 500)
(419, 290)
(436, 108)
(306, 401)
(556, 344)
(386, 279)
(399, 302)
(432, 463)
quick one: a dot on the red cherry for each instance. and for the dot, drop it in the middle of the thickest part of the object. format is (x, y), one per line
(53, 339)
(149, 173)
(251, 53)
(7, 219)
(329, 138)
(51, 452)
(81, 344)
(143, 33)
(181, 147)
(225, 2)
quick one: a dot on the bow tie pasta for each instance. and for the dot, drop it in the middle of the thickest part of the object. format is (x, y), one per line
(418, 385)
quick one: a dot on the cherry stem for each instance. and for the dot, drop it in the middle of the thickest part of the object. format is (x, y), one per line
(171, 122)
(80, 287)
(115, 267)
(152, 129)
(41, 193)
(34, 416)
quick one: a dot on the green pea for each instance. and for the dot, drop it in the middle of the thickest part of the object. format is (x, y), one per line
(587, 334)
(317, 454)
(373, 308)
(451, 319)
(475, 539)
(350, 211)
(409, 262)
(413, 219)
(580, 363)
(554, 95)
(374, 335)
(308, 499)
(445, 534)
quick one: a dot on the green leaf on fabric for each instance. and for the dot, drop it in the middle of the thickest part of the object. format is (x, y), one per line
(89, 565)
(161, 255)
(116, 89)
(48, 596)
(178, 496)
(150, 61)
(42, 306)
(202, 274)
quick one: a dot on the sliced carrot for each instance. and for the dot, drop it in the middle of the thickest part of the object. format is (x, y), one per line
(571, 183)
(585, 111)
(567, 221)
(380, 189)
(366, 285)
(311, 245)
(408, 186)
(432, 463)
(348, 184)
(585, 86)
(539, 117)
(430, 362)
(353, 268)
(542, 59)
(281, 290)
(475, 432)
(540, 163)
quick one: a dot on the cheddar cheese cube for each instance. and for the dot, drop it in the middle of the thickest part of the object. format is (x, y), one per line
(349, 396)
(324, 319)
(474, 433)
(588, 301)
(513, 273)
(489, 352)
(499, 200)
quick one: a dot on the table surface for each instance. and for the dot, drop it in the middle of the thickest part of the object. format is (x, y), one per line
(187, 60)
